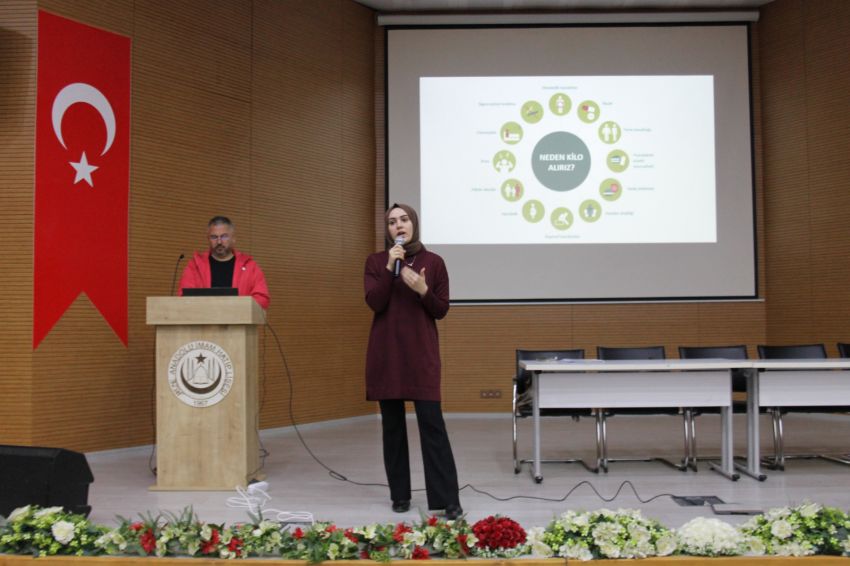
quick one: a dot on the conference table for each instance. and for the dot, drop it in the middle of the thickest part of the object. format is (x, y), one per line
(639, 384)
(790, 383)
(601, 384)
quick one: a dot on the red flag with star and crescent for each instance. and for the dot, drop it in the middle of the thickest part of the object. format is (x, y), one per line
(82, 172)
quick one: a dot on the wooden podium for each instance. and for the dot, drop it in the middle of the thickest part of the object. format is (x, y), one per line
(206, 391)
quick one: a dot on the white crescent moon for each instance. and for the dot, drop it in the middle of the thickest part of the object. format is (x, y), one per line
(81, 92)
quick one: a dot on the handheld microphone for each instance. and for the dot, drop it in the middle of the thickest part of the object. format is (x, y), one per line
(399, 241)
(174, 277)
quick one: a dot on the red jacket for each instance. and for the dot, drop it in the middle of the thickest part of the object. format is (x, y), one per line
(247, 276)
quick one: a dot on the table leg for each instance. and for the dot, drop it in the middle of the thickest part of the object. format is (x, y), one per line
(753, 467)
(535, 413)
(727, 456)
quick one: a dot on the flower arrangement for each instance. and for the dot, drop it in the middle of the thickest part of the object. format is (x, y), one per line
(798, 531)
(499, 537)
(48, 531)
(705, 536)
(789, 531)
(624, 533)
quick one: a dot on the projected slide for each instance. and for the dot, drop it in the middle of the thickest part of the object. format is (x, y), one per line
(584, 159)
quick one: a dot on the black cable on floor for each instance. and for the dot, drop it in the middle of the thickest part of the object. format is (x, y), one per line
(338, 476)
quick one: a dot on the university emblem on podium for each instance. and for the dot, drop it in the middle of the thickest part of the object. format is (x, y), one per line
(200, 373)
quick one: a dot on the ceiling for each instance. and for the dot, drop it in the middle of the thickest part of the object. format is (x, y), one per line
(453, 6)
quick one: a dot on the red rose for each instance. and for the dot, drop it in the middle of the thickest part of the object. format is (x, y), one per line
(209, 546)
(420, 553)
(349, 534)
(432, 520)
(400, 529)
(330, 529)
(235, 546)
(364, 555)
(148, 541)
(136, 527)
(298, 533)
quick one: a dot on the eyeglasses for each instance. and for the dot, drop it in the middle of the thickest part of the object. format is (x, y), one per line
(222, 237)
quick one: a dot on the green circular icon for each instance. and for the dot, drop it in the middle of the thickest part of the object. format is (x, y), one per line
(560, 104)
(590, 210)
(588, 111)
(560, 161)
(532, 111)
(618, 161)
(610, 132)
(533, 211)
(610, 189)
(511, 133)
(561, 218)
(504, 161)
(512, 190)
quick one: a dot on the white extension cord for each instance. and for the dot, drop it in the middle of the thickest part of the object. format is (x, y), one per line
(254, 500)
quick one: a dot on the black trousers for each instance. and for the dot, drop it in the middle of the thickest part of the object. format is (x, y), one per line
(440, 472)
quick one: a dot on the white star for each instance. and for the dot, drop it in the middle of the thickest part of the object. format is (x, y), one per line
(84, 170)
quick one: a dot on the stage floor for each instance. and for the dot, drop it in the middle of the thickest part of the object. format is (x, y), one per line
(482, 448)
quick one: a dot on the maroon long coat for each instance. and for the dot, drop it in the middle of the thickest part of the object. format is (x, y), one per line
(403, 359)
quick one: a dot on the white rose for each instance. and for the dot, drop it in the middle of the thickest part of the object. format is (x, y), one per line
(666, 545)
(781, 529)
(63, 531)
(809, 509)
(754, 546)
(47, 511)
(576, 551)
(581, 520)
(609, 550)
(18, 513)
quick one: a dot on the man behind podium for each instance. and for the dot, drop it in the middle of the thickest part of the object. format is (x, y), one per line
(224, 266)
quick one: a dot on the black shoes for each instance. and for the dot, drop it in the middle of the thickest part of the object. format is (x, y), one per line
(453, 512)
(401, 505)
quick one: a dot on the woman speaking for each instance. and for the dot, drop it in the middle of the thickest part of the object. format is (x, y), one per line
(407, 287)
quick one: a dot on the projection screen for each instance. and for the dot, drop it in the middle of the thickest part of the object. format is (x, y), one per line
(577, 163)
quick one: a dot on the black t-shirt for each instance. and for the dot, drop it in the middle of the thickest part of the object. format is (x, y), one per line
(222, 272)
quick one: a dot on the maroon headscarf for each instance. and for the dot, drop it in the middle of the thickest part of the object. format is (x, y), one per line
(414, 245)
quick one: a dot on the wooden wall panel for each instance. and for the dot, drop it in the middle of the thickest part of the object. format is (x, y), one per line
(313, 154)
(17, 108)
(806, 75)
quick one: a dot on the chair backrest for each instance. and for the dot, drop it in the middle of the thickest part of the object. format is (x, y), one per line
(644, 353)
(713, 352)
(523, 377)
(843, 350)
(792, 352)
(739, 380)
(546, 355)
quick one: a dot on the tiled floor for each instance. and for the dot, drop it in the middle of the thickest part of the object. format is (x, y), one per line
(482, 450)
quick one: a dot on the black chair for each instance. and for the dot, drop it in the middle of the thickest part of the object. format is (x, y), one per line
(522, 400)
(739, 383)
(806, 351)
(642, 353)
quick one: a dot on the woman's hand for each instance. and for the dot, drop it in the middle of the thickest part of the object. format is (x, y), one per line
(415, 281)
(396, 253)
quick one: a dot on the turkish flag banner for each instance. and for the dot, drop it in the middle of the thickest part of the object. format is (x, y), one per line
(82, 172)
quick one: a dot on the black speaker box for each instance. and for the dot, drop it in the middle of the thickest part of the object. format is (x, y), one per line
(43, 476)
